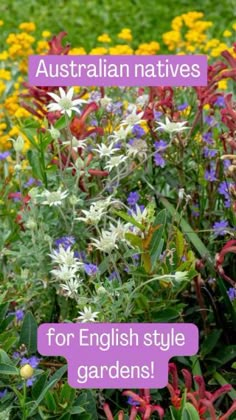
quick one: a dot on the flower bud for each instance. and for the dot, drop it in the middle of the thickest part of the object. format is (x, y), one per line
(18, 144)
(26, 371)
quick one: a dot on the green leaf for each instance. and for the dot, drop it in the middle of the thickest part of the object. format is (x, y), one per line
(157, 243)
(61, 123)
(210, 342)
(221, 380)
(134, 240)
(77, 410)
(39, 385)
(34, 160)
(8, 369)
(53, 380)
(3, 310)
(67, 394)
(179, 242)
(129, 219)
(4, 358)
(50, 401)
(28, 335)
(190, 412)
(188, 231)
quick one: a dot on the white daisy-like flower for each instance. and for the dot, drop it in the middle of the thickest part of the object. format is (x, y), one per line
(172, 127)
(53, 198)
(87, 315)
(105, 101)
(92, 216)
(115, 161)
(120, 135)
(133, 118)
(71, 287)
(105, 151)
(106, 242)
(64, 103)
(140, 215)
(64, 273)
(75, 143)
(120, 230)
(64, 257)
(54, 133)
(138, 148)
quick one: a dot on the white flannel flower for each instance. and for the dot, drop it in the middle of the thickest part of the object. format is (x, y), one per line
(105, 101)
(64, 257)
(53, 198)
(87, 315)
(139, 215)
(115, 161)
(172, 127)
(105, 151)
(142, 100)
(120, 230)
(75, 143)
(70, 288)
(93, 215)
(64, 273)
(138, 148)
(106, 242)
(120, 134)
(133, 118)
(64, 103)
(55, 134)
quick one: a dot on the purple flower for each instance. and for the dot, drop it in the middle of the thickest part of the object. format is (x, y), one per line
(226, 163)
(157, 115)
(3, 393)
(209, 153)
(160, 145)
(195, 210)
(207, 137)
(219, 227)
(19, 314)
(210, 120)
(138, 131)
(220, 101)
(90, 269)
(210, 175)
(33, 361)
(113, 276)
(16, 355)
(159, 160)
(223, 189)
(232, 293)
(4, 155)
(65, 241)
(133, 198)
(80, 255)
(132, 402)
(182, 107)
(32, 181)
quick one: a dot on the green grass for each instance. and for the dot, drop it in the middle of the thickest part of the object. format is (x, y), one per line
(85, 20)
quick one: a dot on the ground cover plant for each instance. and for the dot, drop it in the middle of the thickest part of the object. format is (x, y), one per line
(118, 205)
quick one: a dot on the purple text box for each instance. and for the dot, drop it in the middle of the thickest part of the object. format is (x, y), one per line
(117, 355)
(122, 70)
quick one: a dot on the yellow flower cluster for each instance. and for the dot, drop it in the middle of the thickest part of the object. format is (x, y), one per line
(104, 38)
(150, 48)
(189, 34)
(125, 34)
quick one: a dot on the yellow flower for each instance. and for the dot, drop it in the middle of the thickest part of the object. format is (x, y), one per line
(104, 38)
(42, 47)
(222, 84)
(227, 33)
(3, 55)
(1, 22)
(120, 50)
(27, 26)
(77, 51)
(148, 48)
(98, 51)
(5, 74)
(26, 371)
(125, 34)
(46, 34)
(234, 26)
(2, 87)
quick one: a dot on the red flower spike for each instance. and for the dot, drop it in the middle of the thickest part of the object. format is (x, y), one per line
(56, 47)
(229, 412)
(187, 379)
(229, 247)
